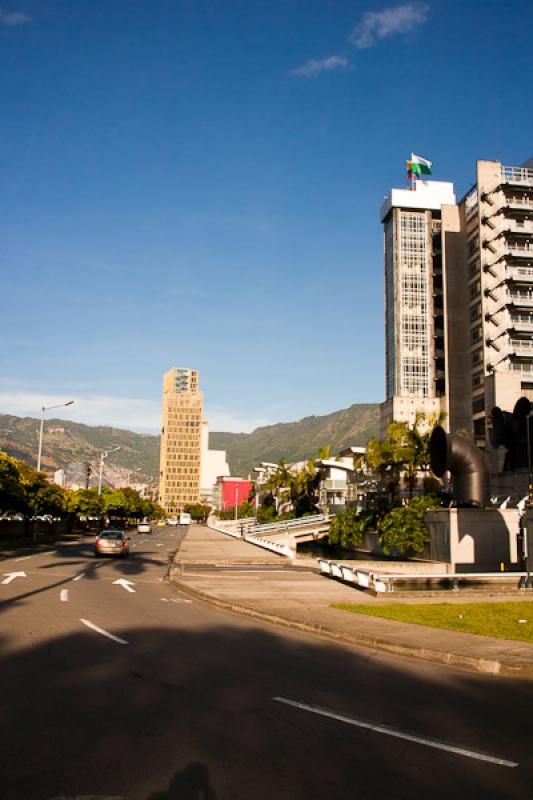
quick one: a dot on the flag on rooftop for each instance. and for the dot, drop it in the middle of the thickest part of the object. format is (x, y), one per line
(419, 165)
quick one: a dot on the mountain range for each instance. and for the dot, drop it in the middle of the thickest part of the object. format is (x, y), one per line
(66, 442)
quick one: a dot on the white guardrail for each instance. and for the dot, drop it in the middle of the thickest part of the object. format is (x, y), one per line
(384, 582)
(281, 549)
(248, 530)
(300, 522)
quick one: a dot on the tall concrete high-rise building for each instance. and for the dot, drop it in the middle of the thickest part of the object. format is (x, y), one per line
(459, 299)
(413, 307)
(497, 219)
(181, 440)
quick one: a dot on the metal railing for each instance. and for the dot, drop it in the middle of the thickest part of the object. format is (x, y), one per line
(384, 582)
(290, 524)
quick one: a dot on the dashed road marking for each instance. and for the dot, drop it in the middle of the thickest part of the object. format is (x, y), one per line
(23, 558)
(427, 741)
(79, 577)
(63, 595)
(96, 628)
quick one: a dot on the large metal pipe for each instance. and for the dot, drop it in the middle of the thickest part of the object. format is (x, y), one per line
(465, 461)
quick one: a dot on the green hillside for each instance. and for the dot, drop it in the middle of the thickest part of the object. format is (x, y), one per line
(67, 441)
(295, 441)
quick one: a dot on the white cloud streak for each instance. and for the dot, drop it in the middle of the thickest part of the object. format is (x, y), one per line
(10, 19)
(376, 25)
(315, 66)
(116, 412)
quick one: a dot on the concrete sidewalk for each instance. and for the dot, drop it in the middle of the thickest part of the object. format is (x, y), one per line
(233, 574)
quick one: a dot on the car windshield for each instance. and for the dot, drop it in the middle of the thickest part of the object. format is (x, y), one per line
(111, 535)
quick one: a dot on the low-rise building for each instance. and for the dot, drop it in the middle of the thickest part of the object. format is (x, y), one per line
(230, 491)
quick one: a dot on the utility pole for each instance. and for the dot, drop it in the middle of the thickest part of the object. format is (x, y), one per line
(41, 429)
(103, 455)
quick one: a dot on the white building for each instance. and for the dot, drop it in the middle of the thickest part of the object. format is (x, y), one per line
(213, 464)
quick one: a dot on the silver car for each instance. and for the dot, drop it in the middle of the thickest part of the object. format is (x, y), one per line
(112, 543)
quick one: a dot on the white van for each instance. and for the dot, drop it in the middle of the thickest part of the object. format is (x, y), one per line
(173, 521)
(185, 519)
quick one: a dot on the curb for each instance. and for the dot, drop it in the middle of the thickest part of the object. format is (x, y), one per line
(486, 666)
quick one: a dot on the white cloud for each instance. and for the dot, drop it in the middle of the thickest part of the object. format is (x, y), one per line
(382, 24)
(10, 19)
(313, 68)
(117, 412)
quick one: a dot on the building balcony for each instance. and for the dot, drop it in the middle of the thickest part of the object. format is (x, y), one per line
(517, 176)
(514, 348)
(330, 485)
(513, 227)
(517, 301)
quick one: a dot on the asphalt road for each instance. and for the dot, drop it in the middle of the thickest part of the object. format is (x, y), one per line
(187, 701)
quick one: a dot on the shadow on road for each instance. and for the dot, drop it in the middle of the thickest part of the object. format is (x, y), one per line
(186, 711)
(192, 783)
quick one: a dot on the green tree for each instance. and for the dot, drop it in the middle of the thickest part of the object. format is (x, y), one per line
(199, 511)
(12, 496)
(85, 503)
(403, 528)
(403, 451)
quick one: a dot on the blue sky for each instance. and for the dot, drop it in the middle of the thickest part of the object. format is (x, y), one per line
(198, 184)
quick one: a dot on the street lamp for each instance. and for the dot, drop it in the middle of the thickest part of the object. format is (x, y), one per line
(236, 506)
(530, 475)
(104, 454)
(41, 431)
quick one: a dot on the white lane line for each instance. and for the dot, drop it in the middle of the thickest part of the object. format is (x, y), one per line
(23, 558)
(181, 600)
(164, 599)
(63, 595)
(389, 731)
(79, 577)
(160, 544)
(94, 627)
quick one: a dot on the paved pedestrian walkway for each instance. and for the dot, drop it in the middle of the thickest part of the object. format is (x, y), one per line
(233, 574)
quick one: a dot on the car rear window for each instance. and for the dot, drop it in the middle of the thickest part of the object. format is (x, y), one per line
(111, 535)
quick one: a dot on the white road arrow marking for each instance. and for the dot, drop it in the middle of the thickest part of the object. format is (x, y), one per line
(94, 627)
(125, 584)
(10, 576)
(64, 595)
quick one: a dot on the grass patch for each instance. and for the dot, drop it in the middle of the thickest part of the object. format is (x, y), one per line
(500, 620)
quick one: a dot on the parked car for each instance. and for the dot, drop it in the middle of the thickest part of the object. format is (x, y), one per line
(112, 543)
(144, 527)
(173, 521)
(162, 523)
(185, 519)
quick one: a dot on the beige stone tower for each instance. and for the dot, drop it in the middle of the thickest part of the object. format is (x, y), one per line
(181, 440)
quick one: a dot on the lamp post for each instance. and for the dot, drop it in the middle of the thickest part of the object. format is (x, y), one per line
(41, 430)
(236, 506)
(530, 475)
(104, 454)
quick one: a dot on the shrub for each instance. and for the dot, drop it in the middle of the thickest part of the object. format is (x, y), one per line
(403, 528)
